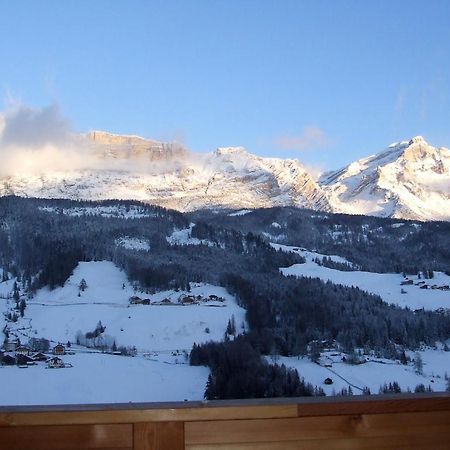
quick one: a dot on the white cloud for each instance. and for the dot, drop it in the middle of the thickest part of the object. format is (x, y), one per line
(312, 137)
(36, 141)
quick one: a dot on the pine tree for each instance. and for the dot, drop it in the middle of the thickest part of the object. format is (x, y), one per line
(83, 285)
(418, 363)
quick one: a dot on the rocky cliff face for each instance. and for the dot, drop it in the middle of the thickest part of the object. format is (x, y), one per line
(123, 146)
(170, 176)
(410, 179)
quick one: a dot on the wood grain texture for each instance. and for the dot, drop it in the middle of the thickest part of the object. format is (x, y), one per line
(377, 422)
(159, 436)
(67, 437)
(137, 415)
(220, 410)
(375, 405)
(426, 442)
(311, 428)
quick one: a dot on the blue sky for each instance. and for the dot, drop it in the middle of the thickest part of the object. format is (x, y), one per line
(322, 81)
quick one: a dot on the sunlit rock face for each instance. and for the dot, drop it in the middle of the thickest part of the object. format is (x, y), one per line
(409, 179)
(131, 167)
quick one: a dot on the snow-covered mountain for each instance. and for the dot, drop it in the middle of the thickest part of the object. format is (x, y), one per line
(410, 179)
(130, 167)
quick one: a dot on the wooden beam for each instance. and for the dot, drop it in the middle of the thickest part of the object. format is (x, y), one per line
(65, 437)
(137, 415)
(159, 436)
(316, 428)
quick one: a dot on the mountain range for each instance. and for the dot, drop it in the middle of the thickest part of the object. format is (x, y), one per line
(409, 179)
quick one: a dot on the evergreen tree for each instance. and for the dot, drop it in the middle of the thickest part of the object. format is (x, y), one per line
(418, 363)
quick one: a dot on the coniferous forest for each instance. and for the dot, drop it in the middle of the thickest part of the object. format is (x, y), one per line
(41, 244)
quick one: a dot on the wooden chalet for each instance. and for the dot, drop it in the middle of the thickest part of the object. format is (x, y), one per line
(55, 363)
(166, 301)
(22, 350)
(39, 357)
(11, 344)
(135, 300)
(59, 349)
(8, 359)
(188, 300)
(23, 360)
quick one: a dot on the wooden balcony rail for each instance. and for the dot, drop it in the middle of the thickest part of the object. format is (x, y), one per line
(374, 422)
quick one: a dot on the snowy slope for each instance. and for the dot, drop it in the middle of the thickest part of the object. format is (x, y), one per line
(60, 314)
(410, 179)
(163, 336)
(373, 373)
(386, 285)
(129, 167)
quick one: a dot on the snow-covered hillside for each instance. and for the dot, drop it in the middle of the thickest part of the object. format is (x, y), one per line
(129, 167)
(391, 287)
(374, 372)
(410, 179)
(60, 314)
(160, 328)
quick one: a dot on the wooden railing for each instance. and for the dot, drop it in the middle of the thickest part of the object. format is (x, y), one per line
(377, 422)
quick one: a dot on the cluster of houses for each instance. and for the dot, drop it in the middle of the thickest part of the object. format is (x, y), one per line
(183, 299)
(424, 285)
(16, 354)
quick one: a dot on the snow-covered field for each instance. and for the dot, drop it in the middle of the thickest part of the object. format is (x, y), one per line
(386, 285)
(372, 374)
(162, 334)
(60, 314)
(184, 237)
(101, 378)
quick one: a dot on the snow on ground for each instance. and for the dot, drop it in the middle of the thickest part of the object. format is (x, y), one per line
(59, 314)
(272, 237)
(133, 243)
(310, 256)
(6, 288)
(120, 211)
(102, 378)
(162, 334)
(241, 212)
(184, 237)
(372, 374)
(5, 293)
(105, 284)
(386, 285)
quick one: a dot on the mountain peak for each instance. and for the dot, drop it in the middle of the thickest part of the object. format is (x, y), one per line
(231, 151)
(132, 146)
(105, 137)
(409, 179)
(417, 140)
